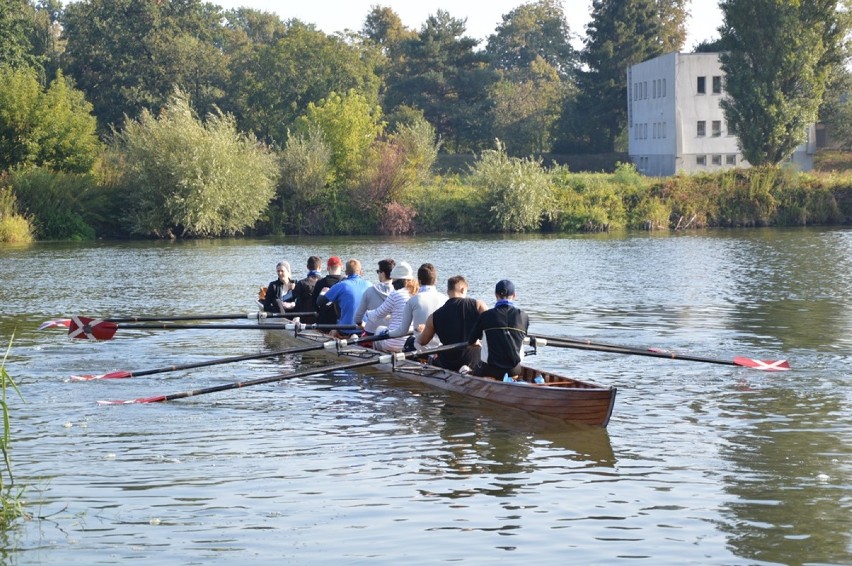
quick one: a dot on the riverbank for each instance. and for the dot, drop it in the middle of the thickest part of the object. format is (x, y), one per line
(496, 194)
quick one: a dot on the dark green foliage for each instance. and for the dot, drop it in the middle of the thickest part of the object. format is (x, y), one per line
(621, 33)
(273, 84)
(439, 72)
(129, 55)
(63, 206)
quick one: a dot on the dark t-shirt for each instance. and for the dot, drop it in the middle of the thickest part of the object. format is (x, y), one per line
(453, 323)
(326, 314)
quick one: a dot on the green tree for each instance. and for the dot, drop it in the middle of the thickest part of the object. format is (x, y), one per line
(129, 55)
(185, 177)
(776, 72)
(15, 46)
(384, 27)
(621, 33)
(526, 107)
(350, 125)
(440, 73)
(532, 31)
(836, 109)
(273, 84)
(51, 127)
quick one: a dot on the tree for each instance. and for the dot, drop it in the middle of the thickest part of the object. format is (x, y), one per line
(350, 125)
(439, 72)
(621, 33)
(384, 27)
(129, 55)
(526, 106)
(779, 55)
(836, 109)
(185, 177)
(51, 127)
(15, 46)
(531, 31)
(273, 84)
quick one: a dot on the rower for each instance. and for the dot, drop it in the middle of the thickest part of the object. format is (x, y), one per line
(453, 323)
(347, 295)
(502, 330)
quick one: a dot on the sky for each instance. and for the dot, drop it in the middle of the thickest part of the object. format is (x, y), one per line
(483, 16)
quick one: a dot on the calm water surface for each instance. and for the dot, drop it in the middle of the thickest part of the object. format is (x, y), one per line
(700, 464)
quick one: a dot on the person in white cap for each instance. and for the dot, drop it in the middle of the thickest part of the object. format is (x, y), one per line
(501, 330)
(405, 287)
(427, 300)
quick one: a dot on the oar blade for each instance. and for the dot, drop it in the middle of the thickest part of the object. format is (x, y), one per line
(86, 328)
(763, 365)
(66, 322)
(157, 399)
(112, 375)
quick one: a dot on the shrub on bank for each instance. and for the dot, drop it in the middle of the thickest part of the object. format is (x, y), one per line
(14, 227)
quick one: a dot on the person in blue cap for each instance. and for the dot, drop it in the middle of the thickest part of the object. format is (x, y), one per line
(501, 331)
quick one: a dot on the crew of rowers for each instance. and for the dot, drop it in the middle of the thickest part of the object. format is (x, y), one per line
(407, 313)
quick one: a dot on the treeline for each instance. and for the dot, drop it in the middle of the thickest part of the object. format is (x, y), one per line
(180, 119)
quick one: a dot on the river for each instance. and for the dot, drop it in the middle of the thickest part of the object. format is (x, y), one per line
(700, 464)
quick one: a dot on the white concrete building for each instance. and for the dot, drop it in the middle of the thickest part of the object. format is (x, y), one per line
(675, 121)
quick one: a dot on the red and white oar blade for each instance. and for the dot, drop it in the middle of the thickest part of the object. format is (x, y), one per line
(763, 365)
(66, 322)
(112, 375)
(157, 399)
(86, 328)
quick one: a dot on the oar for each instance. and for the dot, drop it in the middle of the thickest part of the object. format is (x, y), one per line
(258, 315)
(87, 328)
(780, 365)
(327, 345)
(381, 359)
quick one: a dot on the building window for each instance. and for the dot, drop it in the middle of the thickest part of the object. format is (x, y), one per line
(730, 160)
(664, 88)
(717, 84)
(701, 129)
(716, 159)
(701, 160)
(717, 128)
(702, 86)
(654, 88)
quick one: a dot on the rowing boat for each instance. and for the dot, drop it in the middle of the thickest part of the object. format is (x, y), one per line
(559, 397)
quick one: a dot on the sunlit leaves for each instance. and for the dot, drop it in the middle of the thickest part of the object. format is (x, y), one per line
(185, 177)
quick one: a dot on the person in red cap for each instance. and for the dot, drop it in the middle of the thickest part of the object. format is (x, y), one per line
(327, 314)
(501, 330)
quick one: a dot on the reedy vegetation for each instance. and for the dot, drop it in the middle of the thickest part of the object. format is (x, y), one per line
(11, 505)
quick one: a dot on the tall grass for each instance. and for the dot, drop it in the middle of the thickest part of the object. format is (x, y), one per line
(14, 227)
(10, 495)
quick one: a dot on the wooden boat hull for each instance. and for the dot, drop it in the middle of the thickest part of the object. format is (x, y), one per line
(560, 397)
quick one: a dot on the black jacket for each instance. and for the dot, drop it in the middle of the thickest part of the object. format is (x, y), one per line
(502, 331)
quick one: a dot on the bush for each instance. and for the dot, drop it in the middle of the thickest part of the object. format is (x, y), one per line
(518, 192)
(185, 177)
(63, 206)
(14, 228)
